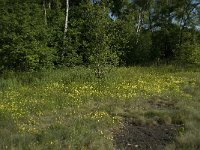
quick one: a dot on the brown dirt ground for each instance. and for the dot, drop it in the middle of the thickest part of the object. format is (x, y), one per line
(133, 136)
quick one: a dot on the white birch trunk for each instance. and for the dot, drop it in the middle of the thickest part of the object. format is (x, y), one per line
(66, 27)
(66, 18)
(49, 5)
(139, 25)
(45, 12)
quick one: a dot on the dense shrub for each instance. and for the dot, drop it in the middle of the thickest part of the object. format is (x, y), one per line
(188, 53)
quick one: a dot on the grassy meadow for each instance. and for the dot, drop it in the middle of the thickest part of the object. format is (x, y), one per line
(72, 109)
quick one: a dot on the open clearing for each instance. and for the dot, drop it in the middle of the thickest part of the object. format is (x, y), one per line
(129, 108)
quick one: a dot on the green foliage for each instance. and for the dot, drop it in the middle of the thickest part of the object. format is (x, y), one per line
(89, 38)
(188, 53)
(139, 52)
(24, 38)
(100, 33)
(121, 33)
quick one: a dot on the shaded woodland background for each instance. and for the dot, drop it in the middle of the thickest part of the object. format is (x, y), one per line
(100, 32)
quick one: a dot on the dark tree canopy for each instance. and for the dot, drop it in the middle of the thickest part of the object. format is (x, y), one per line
(99, 32)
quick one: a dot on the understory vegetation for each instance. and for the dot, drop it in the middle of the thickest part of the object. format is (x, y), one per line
(73, 109)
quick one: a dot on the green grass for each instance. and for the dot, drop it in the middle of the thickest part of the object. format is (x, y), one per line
(72, 109)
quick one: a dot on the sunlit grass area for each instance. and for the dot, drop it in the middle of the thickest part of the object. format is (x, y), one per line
(72, 109)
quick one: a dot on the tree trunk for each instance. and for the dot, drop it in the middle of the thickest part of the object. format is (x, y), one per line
(50, 5)
(139, 24)
(66, 18)
(65, 29)
(45, 12)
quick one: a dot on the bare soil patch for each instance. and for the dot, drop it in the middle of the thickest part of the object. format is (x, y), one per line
(135, 136)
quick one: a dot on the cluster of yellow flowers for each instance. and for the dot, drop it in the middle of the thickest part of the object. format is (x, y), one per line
(26, 101)
(98, 115)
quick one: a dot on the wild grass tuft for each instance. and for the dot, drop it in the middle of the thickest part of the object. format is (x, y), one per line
(72, 109)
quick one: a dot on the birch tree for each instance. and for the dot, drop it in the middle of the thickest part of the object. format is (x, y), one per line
(63, 52)
(66, 17)
(45, 12)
